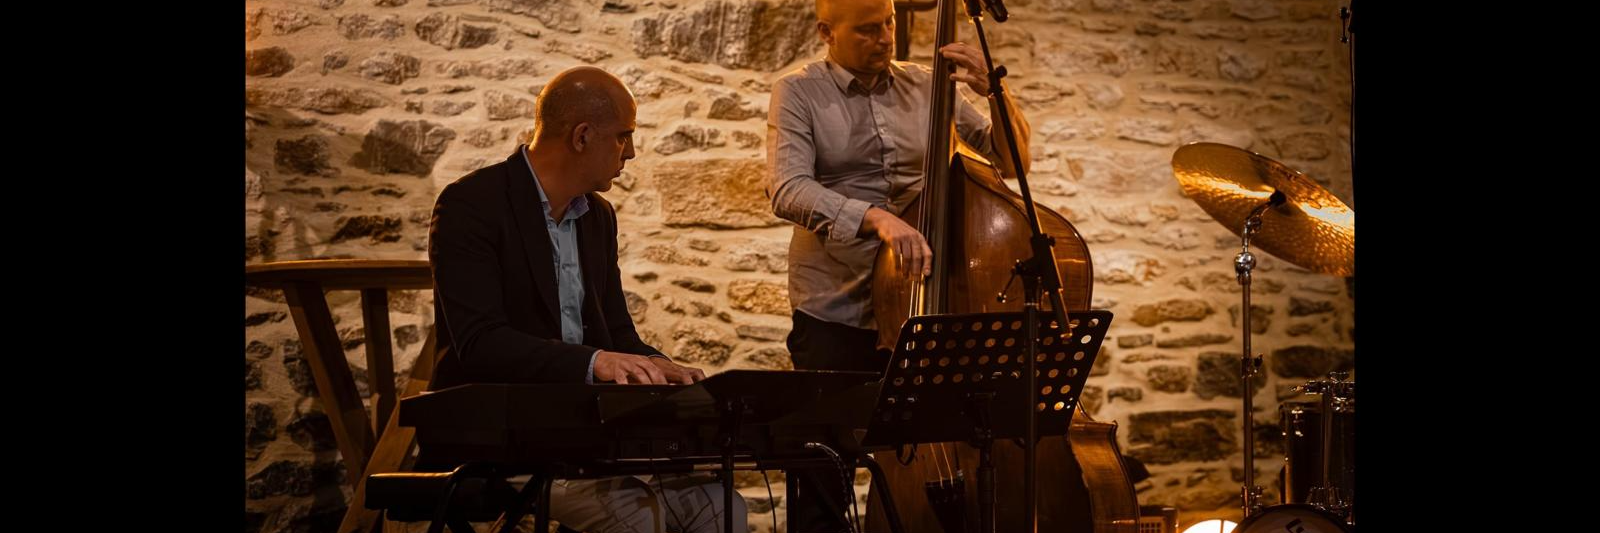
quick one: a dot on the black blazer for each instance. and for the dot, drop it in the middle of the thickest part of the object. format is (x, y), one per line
(495, 299)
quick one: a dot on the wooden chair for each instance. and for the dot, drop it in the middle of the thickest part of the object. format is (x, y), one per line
(371, 443)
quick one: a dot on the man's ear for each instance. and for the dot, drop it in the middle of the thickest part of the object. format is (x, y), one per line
(825, 32)
(581, 136)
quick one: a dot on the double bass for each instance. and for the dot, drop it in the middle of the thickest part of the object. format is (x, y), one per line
(977, 228)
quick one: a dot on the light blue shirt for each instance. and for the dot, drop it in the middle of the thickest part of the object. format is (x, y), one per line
(569, 274)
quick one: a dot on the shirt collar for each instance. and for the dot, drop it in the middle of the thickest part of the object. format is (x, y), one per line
(575, 209)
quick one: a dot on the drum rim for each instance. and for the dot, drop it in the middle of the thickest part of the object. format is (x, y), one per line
(1330, 517)
(1313, 407)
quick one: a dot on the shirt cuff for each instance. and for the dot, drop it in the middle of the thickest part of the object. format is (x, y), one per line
(847, 224)
(589, 378)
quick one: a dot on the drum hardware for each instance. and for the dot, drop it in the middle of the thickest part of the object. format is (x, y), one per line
(1290, 216)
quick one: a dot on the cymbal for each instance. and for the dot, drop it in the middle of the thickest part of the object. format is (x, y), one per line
(1312, 229)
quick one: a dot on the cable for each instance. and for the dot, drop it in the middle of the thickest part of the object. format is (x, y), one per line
(772, 503)
(661, 492)
(847, 477)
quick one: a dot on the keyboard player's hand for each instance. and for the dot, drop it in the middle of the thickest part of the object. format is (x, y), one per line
(676, 373)
(615, 367)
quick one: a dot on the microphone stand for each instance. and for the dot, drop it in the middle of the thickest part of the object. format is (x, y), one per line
(1039, 274)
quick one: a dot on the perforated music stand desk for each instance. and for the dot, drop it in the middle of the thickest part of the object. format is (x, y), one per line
(941, 363)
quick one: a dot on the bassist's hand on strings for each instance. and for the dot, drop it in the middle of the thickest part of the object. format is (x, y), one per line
(911, 252)
(973, 72)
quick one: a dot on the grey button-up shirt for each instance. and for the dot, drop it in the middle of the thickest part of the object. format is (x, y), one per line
(564, 253)
(835, 148)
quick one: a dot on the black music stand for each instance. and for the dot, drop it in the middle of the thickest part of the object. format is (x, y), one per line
(974, 364)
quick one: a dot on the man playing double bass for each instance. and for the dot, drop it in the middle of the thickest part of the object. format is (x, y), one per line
(846, 137)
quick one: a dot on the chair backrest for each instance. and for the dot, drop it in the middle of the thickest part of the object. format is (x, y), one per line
(370, 443)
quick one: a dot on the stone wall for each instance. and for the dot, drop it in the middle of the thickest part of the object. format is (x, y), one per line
(359, 111)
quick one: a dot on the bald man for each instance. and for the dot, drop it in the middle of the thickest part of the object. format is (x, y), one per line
(527, 290)
(846, 136)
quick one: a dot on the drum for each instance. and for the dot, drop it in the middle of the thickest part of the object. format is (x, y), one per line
(1292, 518)
(1302, 424)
